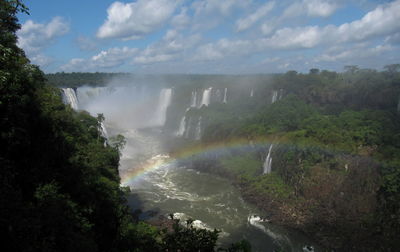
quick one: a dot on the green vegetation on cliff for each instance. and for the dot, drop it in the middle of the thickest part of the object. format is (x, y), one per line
(336, 154)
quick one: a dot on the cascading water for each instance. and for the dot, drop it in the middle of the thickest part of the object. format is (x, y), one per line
(182, 126)
(163, 103)
(205, 100)
(197, 134)
(274, 96)
(280, 94)
(193, 99)
(226, 90)
(70, 98)
(103, 132)
(251, 93)
(268, 161)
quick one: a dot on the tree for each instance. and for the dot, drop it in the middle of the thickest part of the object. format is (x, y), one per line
(351, 69)
(393, 68)
(118, 142)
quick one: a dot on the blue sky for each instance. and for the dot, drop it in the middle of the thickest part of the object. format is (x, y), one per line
(210, 36)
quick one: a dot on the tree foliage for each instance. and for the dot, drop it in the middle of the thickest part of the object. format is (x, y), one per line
(335, 158)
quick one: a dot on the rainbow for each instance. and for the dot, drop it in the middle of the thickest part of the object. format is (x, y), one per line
(199, 149)
(159, 161)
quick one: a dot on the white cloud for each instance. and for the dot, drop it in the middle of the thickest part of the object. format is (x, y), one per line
(293, 38)
(224, 7)
(33, 37)
(359, 51)
(110, 58)
(267, 28)
(318, 8)
(170, 35)
(41, 60)
(210, 13)
(76, 64)
(284, 66)
(113, 57)
(181, 20)
(206, 35)
(222, 49)
(393, 39)
(208, 52)
(137, 19)
(312, 8)
(270, 60)
(172, 46)
(381, 21)
(245, 23)
(154, 58)
(384, 19)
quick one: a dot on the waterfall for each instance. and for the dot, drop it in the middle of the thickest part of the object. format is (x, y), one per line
(268, 161)
(103, 132)
(226, 90)
(251, 93)
(205, 100)
(274, 96)
(70, 98)
(163, 103)
(197, 134)
(182, 125)
(193, 99)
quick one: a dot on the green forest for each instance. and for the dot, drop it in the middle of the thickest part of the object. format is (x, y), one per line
(336, 154)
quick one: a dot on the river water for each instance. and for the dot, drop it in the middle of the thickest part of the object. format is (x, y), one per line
(210, 200)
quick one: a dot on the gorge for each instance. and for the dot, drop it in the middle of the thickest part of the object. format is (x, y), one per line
(217, 125)
(161, 184)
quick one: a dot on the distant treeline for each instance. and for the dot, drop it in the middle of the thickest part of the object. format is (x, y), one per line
(77, 79)
(62, 79)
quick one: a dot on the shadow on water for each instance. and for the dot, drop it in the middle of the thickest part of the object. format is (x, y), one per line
(136, 206)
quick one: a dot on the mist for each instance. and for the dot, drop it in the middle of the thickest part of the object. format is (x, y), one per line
(126, 106)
